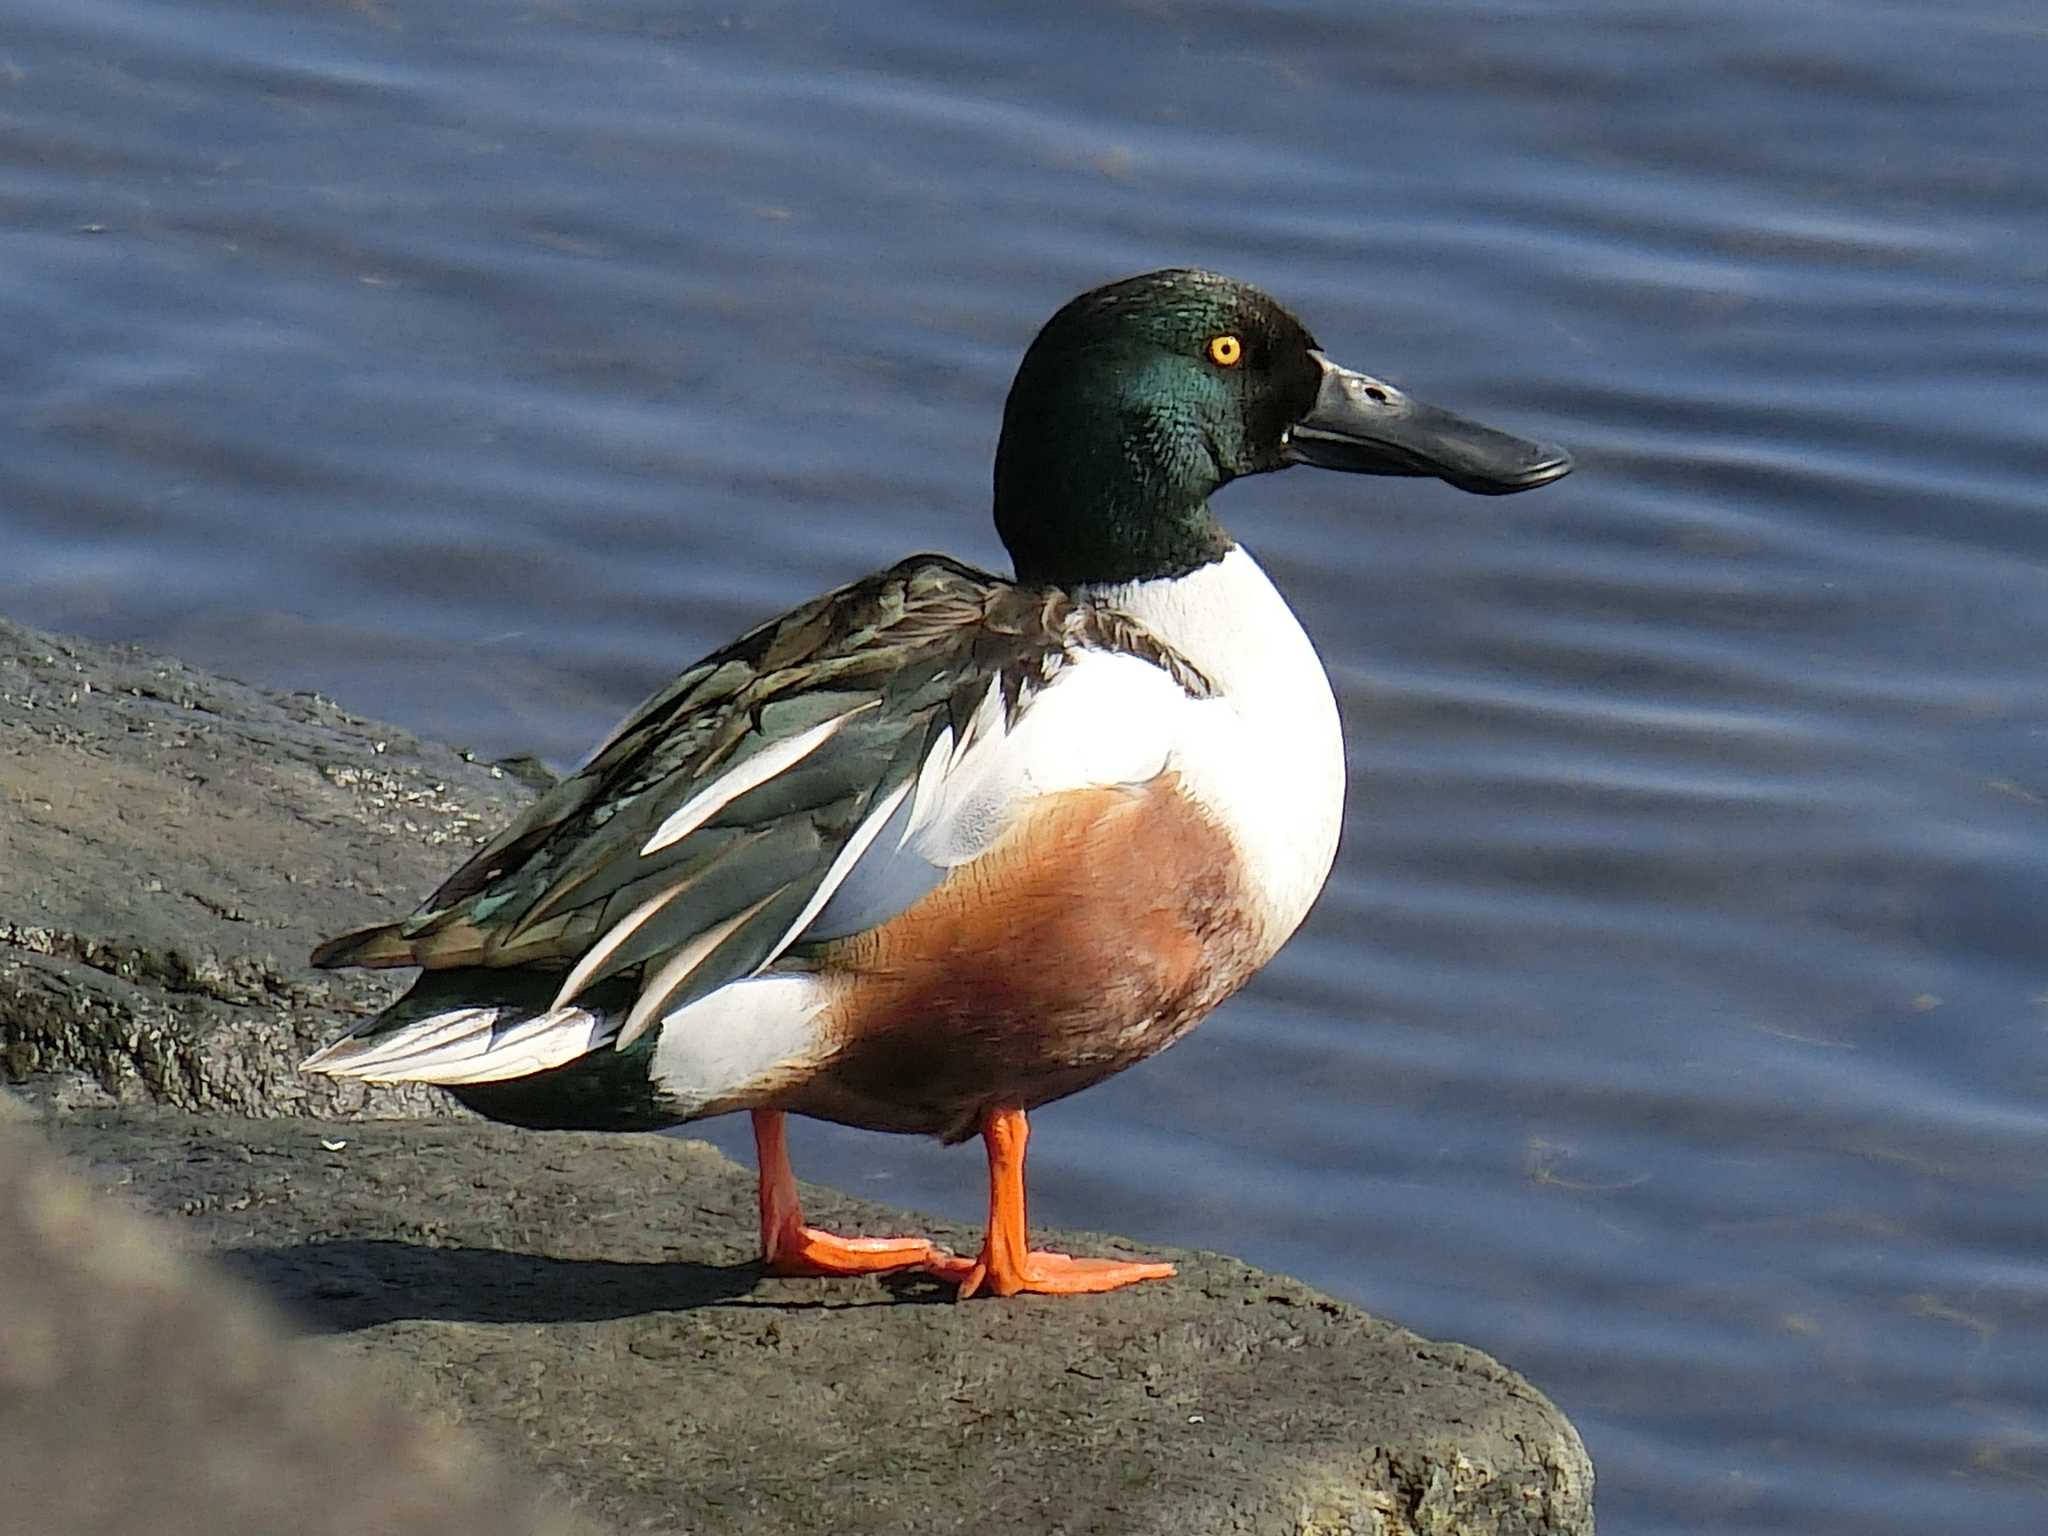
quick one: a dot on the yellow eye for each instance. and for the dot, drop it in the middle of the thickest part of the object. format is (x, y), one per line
(1226, 351)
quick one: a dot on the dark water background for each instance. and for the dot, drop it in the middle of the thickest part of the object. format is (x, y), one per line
(1676, 1023)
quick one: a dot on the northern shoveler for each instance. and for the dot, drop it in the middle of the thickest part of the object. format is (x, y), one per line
(940, 847)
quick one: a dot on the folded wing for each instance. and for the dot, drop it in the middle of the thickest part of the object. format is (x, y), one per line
(809, 781)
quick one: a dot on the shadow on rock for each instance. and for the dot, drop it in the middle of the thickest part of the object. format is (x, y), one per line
(353, 1283)
(350, 1284)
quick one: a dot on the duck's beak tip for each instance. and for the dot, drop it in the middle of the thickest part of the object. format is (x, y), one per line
(1362, 425)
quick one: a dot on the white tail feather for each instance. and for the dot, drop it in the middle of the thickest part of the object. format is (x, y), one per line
(345, 1056)
(467, 1045)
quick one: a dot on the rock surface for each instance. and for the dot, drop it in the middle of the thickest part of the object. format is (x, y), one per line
(590, 1304)
(171, 846)
(140, 1393)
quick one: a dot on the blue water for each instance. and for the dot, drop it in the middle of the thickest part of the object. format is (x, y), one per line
(1676, 1023)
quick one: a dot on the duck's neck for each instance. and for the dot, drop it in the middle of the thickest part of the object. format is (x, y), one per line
(1093, 491)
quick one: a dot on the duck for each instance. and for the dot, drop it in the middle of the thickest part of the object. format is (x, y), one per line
(943, 846)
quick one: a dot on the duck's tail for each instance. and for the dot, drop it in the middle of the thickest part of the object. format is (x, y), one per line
(441, 1032)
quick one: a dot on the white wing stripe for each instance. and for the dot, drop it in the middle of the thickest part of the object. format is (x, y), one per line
(856, 845)
(655, 990)
(776, 757)
(931, 781)
(614, 936)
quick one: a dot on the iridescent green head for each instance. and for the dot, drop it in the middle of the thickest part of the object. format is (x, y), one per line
(1138, 400)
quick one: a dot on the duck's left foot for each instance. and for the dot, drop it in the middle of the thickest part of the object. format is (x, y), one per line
(1043, 1272)
(788, 1247)
(797, 1250)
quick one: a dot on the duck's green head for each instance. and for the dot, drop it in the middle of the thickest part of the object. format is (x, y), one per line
(1139, 399)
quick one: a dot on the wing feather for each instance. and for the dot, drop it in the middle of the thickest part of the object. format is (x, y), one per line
(811, 779)
(776, 757)
(670, 985)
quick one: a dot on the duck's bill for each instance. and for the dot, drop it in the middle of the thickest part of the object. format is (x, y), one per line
(1366, 426)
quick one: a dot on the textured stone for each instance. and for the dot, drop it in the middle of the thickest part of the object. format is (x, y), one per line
(172, 845)
(590, 1305)
(141, 1392)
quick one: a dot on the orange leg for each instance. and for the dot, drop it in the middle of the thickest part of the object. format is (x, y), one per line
(788, 1247)
(1006, 1265)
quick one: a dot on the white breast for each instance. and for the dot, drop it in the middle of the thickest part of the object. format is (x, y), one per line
(1266, 755)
